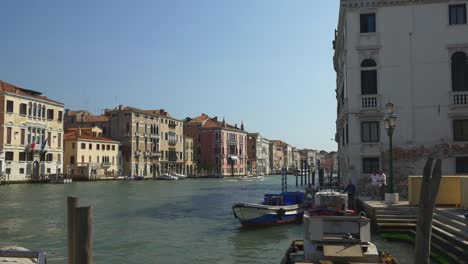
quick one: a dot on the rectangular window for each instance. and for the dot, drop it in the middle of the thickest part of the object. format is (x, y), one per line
(83, 145)
(369, 82)
(23, 109)
(22, 156)
(113, 147)
(460, 130)
(370, 131)
(368, 23)
(50, 114)
(9, 106)
(8, 156)
(49, 157)
(59, 143)
(49, 139)
(60, 114)
(72, 159)
(8, 135)
(23, 136)
(73, 146)
(347, 134)
(461, 164)
(21, 171)
(457, 14)
(98, 146)
(370, 165)
(90, 146)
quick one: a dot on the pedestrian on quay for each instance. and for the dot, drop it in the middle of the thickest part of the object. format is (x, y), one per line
(382, 184)
(351, 191)
(374, 185)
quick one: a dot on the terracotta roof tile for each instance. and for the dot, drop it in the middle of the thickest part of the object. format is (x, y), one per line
(7, 87)
(90, 119)
(74, 135)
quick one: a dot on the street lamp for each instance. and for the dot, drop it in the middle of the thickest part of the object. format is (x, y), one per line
(390, 124)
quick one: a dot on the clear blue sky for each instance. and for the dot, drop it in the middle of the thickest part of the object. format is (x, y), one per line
(265, 62)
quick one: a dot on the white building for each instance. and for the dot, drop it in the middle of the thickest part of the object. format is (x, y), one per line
(413, 54)
(258, 153)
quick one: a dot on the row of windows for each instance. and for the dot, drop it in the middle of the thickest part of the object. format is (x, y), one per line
(28, 156)
(457, 16)
(370, 131)
(33, 110)
(34, 136)
(372, 165)
(104, 159)
(98, 146)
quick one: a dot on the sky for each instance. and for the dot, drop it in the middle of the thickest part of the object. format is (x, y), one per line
(266, 63)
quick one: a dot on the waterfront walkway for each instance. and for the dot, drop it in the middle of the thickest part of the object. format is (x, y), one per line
(449, 227)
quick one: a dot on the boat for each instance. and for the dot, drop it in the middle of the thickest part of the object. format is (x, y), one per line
(138, 178)
(333, 234)
(179, 176)
(275, 209)
(250, 178)
(128, 178)
(166, 176)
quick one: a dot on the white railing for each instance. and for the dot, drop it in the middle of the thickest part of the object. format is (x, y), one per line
(369, 102)
(460, 98)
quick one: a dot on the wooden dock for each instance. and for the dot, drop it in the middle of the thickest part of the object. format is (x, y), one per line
(449, 227)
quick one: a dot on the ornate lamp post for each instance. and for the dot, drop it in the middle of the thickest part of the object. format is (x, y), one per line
(390, 124)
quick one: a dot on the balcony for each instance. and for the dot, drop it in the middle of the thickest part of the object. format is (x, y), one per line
(106, 165)
(137, 153)
(155, 154)
(459, 98)
(172, 125)
(155, 136)
(232, 141)
(370, 102)
(172, 141)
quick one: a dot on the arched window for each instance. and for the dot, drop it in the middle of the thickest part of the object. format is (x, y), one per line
(157, 130)
(89, 158)
(82, 158)
(43, 111)
(97, 159)
(137, 127)
(368, 77)
(34, 109)
(459, 72)
(30, 109)
(39, 111)
(146, 128)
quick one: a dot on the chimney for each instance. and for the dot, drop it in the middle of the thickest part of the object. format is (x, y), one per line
(242, 126)
(120, 107)
(224, 122)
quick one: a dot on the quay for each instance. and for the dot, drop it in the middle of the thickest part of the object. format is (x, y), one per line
(449, 227)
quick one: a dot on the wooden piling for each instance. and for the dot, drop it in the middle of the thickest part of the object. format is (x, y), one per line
(72, 203)
(83, 235)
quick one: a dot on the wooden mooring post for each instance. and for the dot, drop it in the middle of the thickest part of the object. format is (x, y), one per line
(80, 232)
(429, 191)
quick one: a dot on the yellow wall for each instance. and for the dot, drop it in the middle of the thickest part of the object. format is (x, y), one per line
(450, 190)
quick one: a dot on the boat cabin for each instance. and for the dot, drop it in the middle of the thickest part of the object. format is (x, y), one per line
(287, 198)
(331, 199)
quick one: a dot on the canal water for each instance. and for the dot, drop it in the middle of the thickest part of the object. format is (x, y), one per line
(186, 221)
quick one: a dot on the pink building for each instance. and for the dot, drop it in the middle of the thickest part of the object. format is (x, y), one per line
(219, 148)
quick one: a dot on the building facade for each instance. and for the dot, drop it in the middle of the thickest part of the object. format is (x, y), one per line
(89, 156)
(259, 154)
(32, 134)
(189, 165)
(220, 148)
(85, 119)
(277, 156)
(418, 62)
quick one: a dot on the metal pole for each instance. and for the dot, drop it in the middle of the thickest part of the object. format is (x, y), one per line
(391, 188)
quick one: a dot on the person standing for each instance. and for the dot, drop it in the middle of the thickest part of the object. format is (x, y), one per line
(351, 191)
(382, 185)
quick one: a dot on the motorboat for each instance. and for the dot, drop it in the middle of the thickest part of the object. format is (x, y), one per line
(275, 209)
(179, 176)
(166, 176)
(333, 234)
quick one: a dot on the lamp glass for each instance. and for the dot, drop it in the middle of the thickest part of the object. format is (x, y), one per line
(387, 123)
(390, 108)
(393, 120)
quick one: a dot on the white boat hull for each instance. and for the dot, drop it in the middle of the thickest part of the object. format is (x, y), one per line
(258, 214)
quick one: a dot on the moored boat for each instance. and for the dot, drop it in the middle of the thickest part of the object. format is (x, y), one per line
(275, 209)
(167, 177)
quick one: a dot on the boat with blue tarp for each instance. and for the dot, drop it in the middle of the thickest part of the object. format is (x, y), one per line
(286, 207)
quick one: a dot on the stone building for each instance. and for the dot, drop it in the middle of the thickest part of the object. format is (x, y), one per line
(88, 155)
(189, 165)
(220, 148)
(278, 149)
(259, 154)
(32, 131)
(85, 119)
(418, 62)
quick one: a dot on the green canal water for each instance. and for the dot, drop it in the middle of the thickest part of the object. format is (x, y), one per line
(153, 221)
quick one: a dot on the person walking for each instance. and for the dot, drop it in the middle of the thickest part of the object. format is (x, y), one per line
(374, 185)
(382, 184)
(351, 191)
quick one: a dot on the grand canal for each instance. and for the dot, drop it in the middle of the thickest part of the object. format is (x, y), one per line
(153, 221)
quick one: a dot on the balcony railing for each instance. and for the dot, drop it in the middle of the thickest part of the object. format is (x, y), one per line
(155, 154)
(459, 98)
(232, 141)
(172, 142)
(370, 102)
(106, 164)
(154, 136)
(172, 125)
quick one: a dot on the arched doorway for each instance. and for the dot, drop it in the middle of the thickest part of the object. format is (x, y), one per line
(35, 169)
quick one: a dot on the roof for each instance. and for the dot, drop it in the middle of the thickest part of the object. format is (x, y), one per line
(100, 118)
(74, 135)
(75, 112)
(159, 112)
(278, 143)
(212, 122)
(7, 87)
